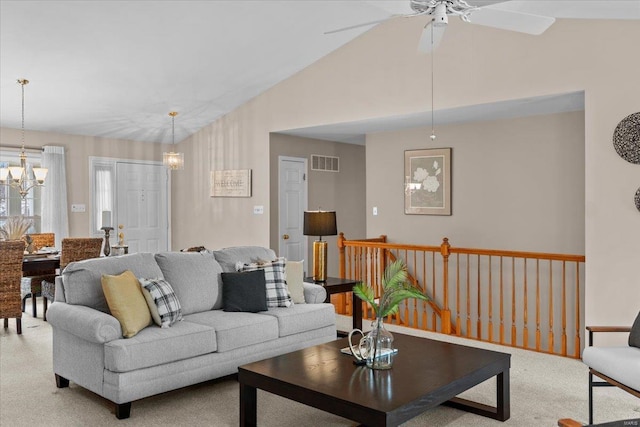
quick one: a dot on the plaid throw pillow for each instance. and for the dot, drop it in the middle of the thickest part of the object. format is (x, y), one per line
(276, 285)
(162, 301)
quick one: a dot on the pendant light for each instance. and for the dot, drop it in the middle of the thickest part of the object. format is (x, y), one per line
(173, 160)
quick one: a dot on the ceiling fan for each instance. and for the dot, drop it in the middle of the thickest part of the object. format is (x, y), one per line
(481, 12)
(486, 14)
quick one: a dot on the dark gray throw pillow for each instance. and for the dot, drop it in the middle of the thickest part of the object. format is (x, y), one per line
(634, 335)
(245, 291)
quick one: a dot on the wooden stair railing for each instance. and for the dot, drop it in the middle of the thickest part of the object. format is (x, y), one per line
(497, 296)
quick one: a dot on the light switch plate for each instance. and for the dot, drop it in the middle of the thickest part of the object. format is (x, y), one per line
(375, 210)
(78, 208)
(258, 210)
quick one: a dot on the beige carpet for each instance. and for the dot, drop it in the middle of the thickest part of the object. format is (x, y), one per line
(543, 389)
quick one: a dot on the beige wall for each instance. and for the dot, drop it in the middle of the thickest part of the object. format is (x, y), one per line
(343, 191)
(78, 149)
(380, 74)
(516, 184)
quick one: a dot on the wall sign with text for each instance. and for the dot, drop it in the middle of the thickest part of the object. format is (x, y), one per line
(231, 183)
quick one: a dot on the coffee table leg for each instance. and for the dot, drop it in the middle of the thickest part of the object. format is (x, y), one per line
(248, 406)
(502, 410)
(503, 407)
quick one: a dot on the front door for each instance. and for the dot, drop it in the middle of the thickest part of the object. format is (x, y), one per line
(292, 196)
(142, 208)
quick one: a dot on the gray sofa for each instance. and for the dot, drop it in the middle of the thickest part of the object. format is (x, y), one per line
(89, 349)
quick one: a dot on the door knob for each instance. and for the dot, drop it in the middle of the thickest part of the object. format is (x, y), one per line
(285, 236)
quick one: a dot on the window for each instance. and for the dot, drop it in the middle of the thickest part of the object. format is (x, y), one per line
(103, 171)
(12, 204)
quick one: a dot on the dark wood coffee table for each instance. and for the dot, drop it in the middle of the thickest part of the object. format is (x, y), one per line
(425, 374)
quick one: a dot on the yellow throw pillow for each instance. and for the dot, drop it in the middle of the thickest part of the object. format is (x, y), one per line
(126, 302)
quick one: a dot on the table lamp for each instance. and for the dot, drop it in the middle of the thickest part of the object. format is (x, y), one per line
(320, 223)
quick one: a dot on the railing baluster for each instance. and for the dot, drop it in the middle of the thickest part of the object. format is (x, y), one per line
(490, 302)
(468, 297)
(525, 330)
(479, 314)
(538, 337)
(514, 340)
(563, 338)
(551, 344)
(501, 306)
(458, 324)
(576, 351)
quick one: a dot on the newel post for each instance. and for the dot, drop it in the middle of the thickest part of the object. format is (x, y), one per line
(341, 258)
(446, 313)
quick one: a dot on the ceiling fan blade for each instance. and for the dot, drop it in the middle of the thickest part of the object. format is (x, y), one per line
(430, 38)
(491, 16)
(364, 24)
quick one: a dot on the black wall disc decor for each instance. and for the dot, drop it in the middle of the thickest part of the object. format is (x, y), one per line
(626, 138)
(637, 199)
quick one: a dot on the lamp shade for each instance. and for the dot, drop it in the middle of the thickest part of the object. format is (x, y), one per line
(320, 223)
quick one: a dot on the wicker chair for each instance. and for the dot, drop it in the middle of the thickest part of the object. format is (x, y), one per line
(73, 249)
(30, 285)
(11, 255)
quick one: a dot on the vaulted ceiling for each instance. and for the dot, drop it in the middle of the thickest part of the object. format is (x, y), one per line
(116, 69)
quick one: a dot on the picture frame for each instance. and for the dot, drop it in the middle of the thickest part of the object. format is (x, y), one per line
(231, 183)
(427, 181)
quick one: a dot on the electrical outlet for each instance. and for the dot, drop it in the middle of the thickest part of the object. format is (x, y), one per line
(258, 210)
(78, 208)
(375, 210)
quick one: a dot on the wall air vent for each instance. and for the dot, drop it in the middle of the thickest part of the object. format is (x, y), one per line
(325, 163)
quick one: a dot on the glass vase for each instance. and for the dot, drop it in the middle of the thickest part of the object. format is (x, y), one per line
(380, 351)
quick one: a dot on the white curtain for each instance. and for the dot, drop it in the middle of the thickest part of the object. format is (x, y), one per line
(54, 194)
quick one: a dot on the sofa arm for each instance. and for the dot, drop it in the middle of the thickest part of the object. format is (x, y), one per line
(314, 294)
(84, 322)
(593, 329)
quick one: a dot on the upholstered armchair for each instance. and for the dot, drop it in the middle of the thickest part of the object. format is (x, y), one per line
(616, 366)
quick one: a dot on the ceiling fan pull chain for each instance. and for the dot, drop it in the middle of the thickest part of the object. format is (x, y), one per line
(433, 56)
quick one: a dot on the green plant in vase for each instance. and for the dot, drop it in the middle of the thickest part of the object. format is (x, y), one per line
(395, 289)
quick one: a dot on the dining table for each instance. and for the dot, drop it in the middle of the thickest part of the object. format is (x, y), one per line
(35, 264)
(39, 262)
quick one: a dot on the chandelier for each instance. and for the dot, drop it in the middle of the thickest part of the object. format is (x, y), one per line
(172, 160)
(18, 177)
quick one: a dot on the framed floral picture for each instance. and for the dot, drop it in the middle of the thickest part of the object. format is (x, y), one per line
(427, 181)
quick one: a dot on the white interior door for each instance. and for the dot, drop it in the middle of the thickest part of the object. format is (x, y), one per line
(142, 207)
(292, 196)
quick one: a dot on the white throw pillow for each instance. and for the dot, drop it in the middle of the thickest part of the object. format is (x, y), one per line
(294, 275)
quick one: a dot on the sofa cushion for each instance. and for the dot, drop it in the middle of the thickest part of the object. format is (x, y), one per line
(634, 334)
(276, 286)
(303, 317)
(156, 346)
(162, 301)
(126, 302)
(228, 257)
(244, 291)
(236, 330)
(195, 278)
(82, 279)
(619, 363)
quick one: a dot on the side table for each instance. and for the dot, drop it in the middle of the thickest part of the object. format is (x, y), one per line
(336, 285)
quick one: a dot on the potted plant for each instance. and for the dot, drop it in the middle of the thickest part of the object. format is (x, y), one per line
(14, 228)
(395, 290)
